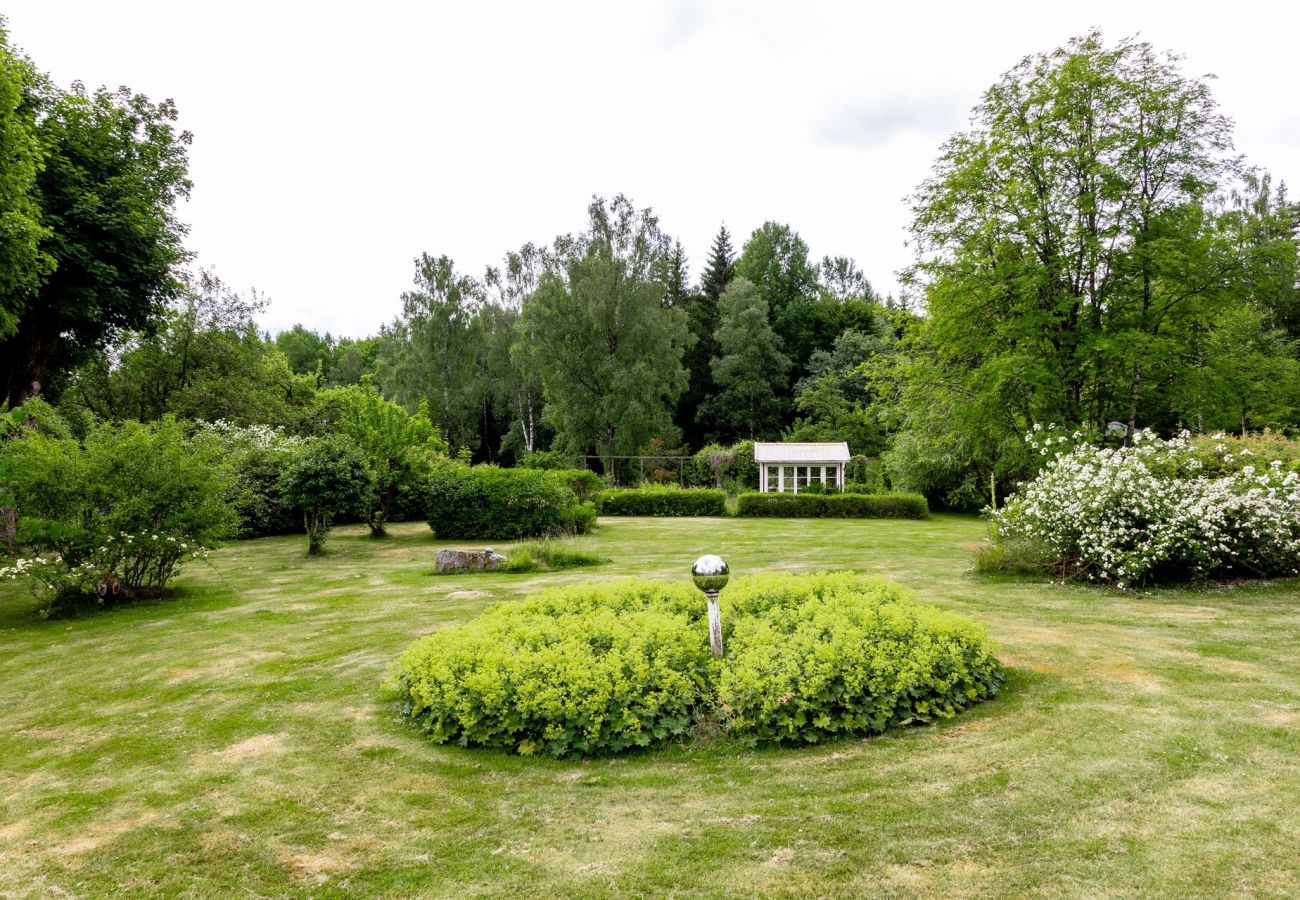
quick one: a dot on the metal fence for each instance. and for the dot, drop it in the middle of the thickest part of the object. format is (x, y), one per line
(629, 471)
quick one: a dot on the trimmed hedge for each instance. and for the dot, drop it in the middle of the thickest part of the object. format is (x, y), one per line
(662, 501)
(833, 506)
(604, 667)
(487, 503)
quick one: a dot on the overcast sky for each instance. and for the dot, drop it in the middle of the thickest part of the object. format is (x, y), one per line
(333, 143)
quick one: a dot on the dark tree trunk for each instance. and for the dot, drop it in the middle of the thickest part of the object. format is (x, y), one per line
(24, 357)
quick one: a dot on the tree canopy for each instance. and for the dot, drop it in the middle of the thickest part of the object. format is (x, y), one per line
(609, 352)
(1071, 259)
(111, 169)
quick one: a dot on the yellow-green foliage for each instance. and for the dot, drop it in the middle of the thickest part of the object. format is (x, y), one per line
(604, 667)
(820, 655)
(573, 670)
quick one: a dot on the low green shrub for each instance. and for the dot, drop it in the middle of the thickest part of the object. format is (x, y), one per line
(545, 555)
(257, 457)
(731, 468)
(584, 483)
(601, 668)
(663, 500)
(488, 503)
(1223, 454)
(1011, 556)
(830, 506)
(548, 459)
(326, 480)
(810, 657)
(113, 517)
(1155, 510)
(574, 670)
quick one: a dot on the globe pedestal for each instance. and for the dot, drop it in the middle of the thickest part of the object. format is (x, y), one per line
(711, 575)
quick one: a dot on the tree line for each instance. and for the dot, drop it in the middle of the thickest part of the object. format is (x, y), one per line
(1091, 253)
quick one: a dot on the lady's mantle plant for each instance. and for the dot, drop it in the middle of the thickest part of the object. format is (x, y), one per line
(1148, 512)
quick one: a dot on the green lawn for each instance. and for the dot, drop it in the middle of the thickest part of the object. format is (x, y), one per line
(234, 741)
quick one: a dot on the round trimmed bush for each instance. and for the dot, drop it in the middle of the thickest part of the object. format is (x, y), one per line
(574, 670)
(606, 667)
(845, 653)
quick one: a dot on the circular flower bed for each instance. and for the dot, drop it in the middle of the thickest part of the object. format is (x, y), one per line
(605, 667)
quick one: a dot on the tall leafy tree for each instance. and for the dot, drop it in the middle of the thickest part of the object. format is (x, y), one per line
(1069, 255)
(24, 262)
(308, 351)
(205, 360)
(1261, 224)
(114, 168)
(609, 352)
(776, 260)
(514, 359)
(836, 401)
(676, 278)
(840, 279)
(351, 359)
(398, 445)
(433, 348)
(750, 369)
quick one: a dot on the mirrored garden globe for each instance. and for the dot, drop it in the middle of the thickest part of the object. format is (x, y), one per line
(710, 573)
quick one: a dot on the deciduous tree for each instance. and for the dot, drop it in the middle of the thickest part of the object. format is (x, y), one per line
(609, 352)
(113, 169)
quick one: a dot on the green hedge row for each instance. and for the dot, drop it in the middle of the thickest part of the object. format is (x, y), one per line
(600, 668)
(663, 501)
(833, 506)
(487, 503)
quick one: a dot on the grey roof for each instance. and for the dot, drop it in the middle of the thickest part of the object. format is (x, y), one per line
(801, 452)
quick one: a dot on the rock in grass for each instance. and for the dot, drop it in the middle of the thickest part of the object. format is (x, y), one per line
(467, 560)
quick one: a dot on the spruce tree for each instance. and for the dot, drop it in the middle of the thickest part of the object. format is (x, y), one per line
(720, 269)
(703, 320)
(750, 371)
(677, 291)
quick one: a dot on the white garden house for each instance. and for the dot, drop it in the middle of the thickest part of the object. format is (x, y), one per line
(790, 466)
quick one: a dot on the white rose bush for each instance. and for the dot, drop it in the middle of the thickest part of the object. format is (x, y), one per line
(1147, 512)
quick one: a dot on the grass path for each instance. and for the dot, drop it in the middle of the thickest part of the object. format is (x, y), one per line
(233, 742)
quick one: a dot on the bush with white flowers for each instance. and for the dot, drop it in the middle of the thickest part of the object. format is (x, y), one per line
(112, 517)
(1147, 512)
(121, 566)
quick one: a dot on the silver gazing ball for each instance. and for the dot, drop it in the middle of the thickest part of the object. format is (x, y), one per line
(710, 573)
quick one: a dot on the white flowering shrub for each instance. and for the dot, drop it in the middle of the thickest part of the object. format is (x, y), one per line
(1149, 512)
(112, 517)
(122, 566)
(235, 438)
(256, 456)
